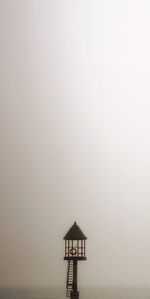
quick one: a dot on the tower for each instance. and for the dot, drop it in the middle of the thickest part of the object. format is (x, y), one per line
(74, 252)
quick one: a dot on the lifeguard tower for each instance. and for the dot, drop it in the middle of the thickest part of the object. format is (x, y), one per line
(74, 251)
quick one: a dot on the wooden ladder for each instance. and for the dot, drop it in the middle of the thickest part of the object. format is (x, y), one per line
(69, 278)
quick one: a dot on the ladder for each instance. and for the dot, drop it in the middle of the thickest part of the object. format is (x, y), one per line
(70, 273)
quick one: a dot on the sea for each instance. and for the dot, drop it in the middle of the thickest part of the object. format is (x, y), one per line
(88, 293)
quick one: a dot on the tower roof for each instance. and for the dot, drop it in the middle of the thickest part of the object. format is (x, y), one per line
(75, 233)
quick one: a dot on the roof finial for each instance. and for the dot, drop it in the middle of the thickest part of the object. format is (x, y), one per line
(75, 222)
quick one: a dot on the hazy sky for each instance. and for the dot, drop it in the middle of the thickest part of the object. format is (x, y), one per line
(75, 139)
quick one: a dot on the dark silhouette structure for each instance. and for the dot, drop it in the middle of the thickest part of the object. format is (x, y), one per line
(74, 252)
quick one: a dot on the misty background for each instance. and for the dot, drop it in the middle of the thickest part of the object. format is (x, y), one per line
(75, 140)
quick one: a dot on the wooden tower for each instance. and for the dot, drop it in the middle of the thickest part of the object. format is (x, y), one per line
(74, 252)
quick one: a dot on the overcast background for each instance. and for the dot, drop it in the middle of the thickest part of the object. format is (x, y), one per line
(75, 139)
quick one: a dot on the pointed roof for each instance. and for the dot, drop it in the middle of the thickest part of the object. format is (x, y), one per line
(75, 233)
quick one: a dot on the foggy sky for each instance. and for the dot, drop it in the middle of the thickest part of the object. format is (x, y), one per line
(75, 140)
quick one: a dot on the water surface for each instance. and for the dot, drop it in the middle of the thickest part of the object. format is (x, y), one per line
(89, 293)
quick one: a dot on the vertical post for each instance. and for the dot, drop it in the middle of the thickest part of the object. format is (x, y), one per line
(82, 248)
(69, 247)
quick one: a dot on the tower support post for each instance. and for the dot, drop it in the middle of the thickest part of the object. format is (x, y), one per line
(74, 295)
